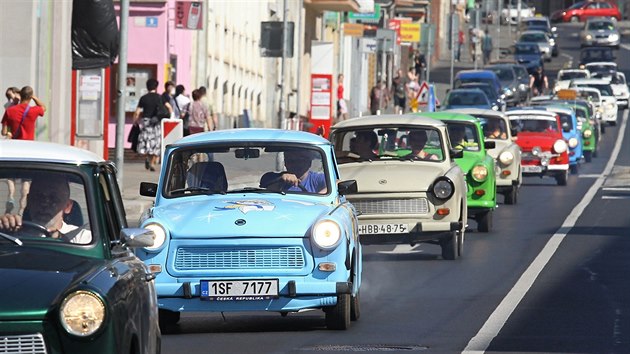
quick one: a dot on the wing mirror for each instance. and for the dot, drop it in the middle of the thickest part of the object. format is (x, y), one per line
(457, 153)
(148, 189)
(137, 237)
(566, 128)
(489, 145)
(514, 131)
(348, 187)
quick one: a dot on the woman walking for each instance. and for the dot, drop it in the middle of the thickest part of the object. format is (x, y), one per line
(199, 115)
(149, 139)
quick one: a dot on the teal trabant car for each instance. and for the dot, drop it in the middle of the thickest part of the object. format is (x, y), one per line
(70, 283)
(466, 134)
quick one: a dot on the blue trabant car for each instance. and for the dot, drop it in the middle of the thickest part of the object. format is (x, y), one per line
(570, 132)
(253, 220)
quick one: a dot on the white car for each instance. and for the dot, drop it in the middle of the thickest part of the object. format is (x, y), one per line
(619, 87)
(609, 101)
(510, 13)
(566, 75)
(601, 68)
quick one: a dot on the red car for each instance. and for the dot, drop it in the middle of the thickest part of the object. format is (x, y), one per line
(544, 150)
(580, 11)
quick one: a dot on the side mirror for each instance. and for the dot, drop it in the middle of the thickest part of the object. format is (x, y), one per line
(489, 144)
(566, 128)
(348, 187)
(137, 237)
(457, 153)
(148, 189)
(514, 131)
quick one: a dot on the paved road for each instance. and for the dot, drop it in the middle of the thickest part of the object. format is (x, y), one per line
(412, 301)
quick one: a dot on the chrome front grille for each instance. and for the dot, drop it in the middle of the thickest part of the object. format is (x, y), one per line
(24, 343)
(392, 206)
(217, 258)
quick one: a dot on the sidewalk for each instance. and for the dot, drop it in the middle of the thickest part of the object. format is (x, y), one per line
(135, 204)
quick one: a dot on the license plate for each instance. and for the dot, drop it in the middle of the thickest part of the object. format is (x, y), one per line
(243, 289)
(375, 229)
(532, 169)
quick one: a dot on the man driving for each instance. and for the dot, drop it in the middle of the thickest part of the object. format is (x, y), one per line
(47, 202)
(297, 177)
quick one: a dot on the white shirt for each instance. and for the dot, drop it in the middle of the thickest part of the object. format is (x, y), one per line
(84, 236)
(183, 102)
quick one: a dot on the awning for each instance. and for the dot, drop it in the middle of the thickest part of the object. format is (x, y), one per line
(333, 5)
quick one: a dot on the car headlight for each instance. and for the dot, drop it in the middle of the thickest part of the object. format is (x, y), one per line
(589, 37)
(159, 236)
(506, 157)
(613, 37)
(479, 173)
(587, 133)
(610, 106)
(560, 146)
(552, 41)
(573, 142)
(326, 234)
(82, 313)
(443, 188)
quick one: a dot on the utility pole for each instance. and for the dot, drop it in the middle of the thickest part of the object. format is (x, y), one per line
(285, 37)
(454, 41)
(477, 31)
(518, 22)
(202, 48)
(429, 44)
(498, 19)
(299, 64)
(121, 92)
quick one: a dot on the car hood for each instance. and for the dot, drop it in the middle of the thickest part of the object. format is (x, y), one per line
(33, 279)
(238, 216)
(528, 140)
(469, 160)
(392, 176)
(500, 146)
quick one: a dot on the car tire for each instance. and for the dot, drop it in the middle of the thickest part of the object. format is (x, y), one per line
(355, 307)
(449, 246)
(338, 316)
(602, 128)
(574, 169)
(588, 156)
(460, 242)
(511, 197)
(484, 221)
(595, 153)
(168, 318)
(575, 19)
(613, 123)
(562, 178)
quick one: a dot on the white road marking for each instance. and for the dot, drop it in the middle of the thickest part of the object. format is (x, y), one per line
(617, 189)
(569, 62)
(615, 197)
(625, 46)
(481, 341)
(589, 176)
(403, 249)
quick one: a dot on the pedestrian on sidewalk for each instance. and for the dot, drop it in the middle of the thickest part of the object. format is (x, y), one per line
(399, 92)
(13, 98)
(473, 36)
(182, 102)
(200, 118)
(420, 65)
(203, 94)
(378, 98)
(150, 137)
(168, 98)
(458, 47)
(486, 47)
(342, 107)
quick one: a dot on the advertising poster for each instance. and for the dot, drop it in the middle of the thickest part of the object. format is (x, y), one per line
(189, 15)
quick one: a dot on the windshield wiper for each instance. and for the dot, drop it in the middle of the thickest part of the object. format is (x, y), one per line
(255, 190)
(197, 189)
(16, 240)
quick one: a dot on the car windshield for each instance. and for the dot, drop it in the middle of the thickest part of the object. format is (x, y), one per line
(388, 143)
(604, 89)
(600, 25)
(590, 95)
(533, 37)
(534, 124)
(473, 80)
(52, 205)
(463, 135)
(601, 68)
(603, 54)
(490, 93)
(577, 5)
(467, 98)
(504, 74)
(570, 75)
(493, 128)
(527, 49)
(566, 119)
(253, 167)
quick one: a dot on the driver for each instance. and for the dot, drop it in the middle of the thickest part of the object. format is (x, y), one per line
(47, 202)
(297, 177)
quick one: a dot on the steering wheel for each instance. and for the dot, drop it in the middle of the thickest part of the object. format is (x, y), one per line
(278, 180)
(36, 227)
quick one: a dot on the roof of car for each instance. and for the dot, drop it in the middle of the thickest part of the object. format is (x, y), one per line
(558, 107)
(450, 115)
(574, 70)
(395, 119)
(530, 112)
(608, 63)
(475, 73)
(590, 81)
(253, 134)
(477, 112)
(27, 150)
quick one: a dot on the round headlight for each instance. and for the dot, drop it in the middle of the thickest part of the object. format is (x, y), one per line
(560, 146)
(82, 313)
(587, 133)
(536, 150)
(573, 142)
(443, 188)
(479, 173)
(326, 234)
(610, 106)
(506, 157)
(613, 37)
(158, 238)
(589, 37)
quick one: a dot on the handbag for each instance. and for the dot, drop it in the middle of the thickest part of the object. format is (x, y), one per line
(134, 135)
(162, 112)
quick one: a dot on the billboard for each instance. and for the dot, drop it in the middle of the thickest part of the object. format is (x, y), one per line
(189, 15)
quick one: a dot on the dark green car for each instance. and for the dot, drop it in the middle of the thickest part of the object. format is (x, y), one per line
(70, 282)
(465, 133)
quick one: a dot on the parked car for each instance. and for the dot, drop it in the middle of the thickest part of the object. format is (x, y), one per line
(570, 132)
(466, 97)
(609, 101)
(253, 220)
(528, 55)
(510, 13)
(497, 103)
(70, 281)
(410, 189)
(596, 54)
(511, 81)
(582, 10)
(465, 134)
(566, 75)
(540, 38)
(485, 76)
(506, 154)
(539, 134)
(600, 32)
(619, 86)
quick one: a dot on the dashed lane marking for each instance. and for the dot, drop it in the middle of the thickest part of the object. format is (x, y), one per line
(625, 46)
(589, 176)
(615, 197)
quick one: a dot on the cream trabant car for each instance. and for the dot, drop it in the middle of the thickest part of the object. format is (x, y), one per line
(410, 190)
(507, 154)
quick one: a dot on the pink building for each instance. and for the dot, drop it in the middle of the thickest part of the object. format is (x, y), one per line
(156, 49)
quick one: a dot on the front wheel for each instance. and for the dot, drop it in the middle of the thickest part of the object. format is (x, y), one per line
(562, 178)
(338, 316)
(355, 307)
(574, 169)
(575, 19)
(449, 247)
(511, 197)
(588, 156)
(484, 221)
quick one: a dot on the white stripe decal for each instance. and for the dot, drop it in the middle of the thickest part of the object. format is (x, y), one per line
(481, 341)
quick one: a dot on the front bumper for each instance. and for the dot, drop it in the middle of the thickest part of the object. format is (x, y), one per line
(550, 170)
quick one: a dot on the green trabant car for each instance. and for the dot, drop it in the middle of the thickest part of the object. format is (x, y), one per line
(465, 133)
(410, 190)
(70, 282)
(590, 134)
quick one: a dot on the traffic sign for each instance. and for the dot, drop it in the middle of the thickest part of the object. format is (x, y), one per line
(172, 130)
(423, 94)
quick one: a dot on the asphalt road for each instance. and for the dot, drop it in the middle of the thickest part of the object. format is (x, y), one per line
(413, 301)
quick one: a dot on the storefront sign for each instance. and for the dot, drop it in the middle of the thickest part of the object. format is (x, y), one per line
(410, 32)
(353, 29)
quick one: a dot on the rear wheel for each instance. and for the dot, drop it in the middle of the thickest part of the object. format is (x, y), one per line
(562, 178)
(168, 318)
(484, 221)
(338, 316)
(574, 169)
(511, 197)
(588, 156)
(449, 247)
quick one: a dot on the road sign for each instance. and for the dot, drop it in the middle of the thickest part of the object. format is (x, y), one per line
(172, 130)
(423, 94)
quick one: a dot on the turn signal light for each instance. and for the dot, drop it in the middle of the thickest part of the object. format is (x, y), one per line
(480, 192)
(506, 173)
(155, 268)
(443, 211)
(327, 267)
(587, 143)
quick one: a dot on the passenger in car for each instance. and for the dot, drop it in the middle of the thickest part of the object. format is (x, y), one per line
(417, 140)
(365, 144)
